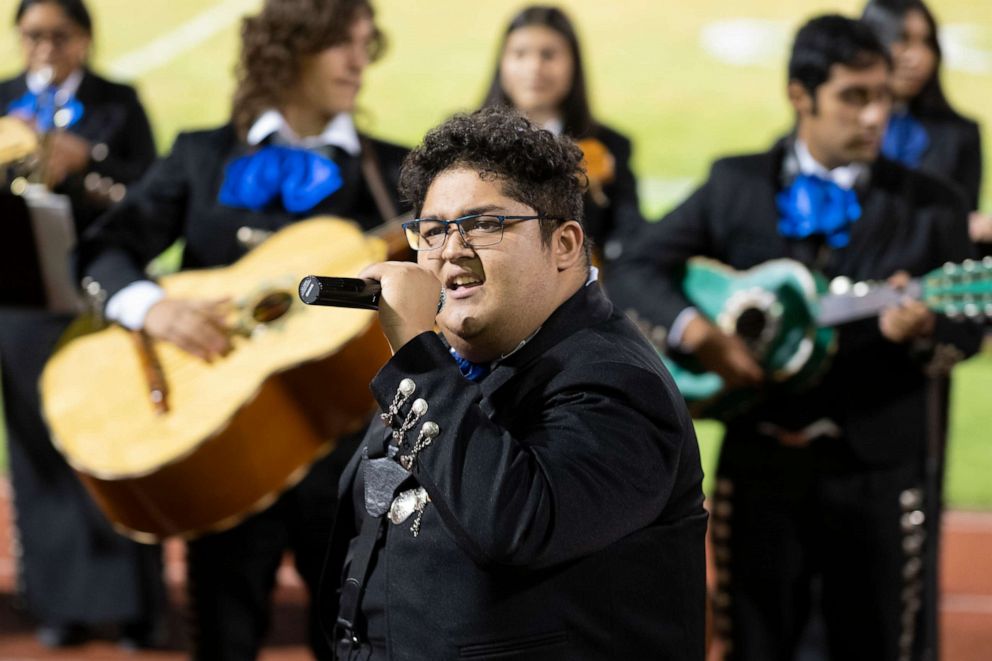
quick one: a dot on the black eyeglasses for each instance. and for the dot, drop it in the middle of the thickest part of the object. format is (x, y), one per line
(477, 230)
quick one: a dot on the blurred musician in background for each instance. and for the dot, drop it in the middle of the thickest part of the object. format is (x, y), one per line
(301, 67)
(540, 73)
(95, 132)
(825, 486)
(94, 139)
(925, 131)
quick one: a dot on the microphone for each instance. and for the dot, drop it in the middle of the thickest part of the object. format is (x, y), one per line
(340, 292)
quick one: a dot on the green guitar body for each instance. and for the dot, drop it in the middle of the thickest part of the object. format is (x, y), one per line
(773, 308)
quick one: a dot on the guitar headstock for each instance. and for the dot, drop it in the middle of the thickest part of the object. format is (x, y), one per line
(960, 290)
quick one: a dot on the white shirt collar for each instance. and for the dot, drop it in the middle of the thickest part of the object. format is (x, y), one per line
(37, 83)
(339, 132)
(555, 126)
(846, 176)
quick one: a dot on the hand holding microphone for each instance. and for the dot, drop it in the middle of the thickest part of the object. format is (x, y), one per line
(407, 297)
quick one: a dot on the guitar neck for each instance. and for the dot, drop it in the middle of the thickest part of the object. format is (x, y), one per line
(862, 302)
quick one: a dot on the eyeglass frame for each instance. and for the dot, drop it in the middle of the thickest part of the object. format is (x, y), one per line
(457, 222)
(58, 38)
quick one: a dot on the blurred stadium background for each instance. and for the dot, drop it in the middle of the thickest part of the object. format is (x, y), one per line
(687, 81)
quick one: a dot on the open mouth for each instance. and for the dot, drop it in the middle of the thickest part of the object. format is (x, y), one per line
(462, 283)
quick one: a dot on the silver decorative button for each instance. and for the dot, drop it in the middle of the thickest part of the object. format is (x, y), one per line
(419, 405)
(407, 386)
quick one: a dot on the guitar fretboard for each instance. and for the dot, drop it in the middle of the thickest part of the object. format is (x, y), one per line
(861, 302)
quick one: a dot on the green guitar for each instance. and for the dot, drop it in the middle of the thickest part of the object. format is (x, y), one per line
(786, 315)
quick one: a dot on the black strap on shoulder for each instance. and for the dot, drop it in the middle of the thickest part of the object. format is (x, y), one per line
(354, 585)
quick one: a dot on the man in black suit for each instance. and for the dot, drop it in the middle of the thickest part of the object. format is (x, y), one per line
(825, 485)
(301, 68)
(532, 487)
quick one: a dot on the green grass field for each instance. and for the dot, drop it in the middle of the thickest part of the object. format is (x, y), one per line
(649, 75)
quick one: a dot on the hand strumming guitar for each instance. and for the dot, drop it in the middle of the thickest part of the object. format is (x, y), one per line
(721, 353)
(196, 326)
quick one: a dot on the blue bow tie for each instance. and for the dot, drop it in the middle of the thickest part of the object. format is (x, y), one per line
(812, 205)
(40, 109)
(301, 177)
(905, 140)
(474, 372)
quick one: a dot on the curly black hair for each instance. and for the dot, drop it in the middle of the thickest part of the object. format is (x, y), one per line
(532, 165)
(275, 41)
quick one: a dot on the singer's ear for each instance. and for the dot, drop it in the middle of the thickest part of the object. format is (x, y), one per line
(568, 245)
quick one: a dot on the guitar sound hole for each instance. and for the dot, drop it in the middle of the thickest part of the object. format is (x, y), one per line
(271, 307)
(751, 324)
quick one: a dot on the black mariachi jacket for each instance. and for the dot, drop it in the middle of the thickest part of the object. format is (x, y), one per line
(113, 116)
(178, 199)
(621, 214)
(955, 154)
(875, 389)
(565, 518)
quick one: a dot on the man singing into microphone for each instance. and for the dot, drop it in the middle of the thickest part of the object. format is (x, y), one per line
(532, 486)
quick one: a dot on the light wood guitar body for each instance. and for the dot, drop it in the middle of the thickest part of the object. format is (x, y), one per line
(239, 430)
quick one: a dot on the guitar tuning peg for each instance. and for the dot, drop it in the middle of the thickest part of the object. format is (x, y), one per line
(840, 285)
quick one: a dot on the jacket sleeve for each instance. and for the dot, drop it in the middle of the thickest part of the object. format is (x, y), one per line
(131, 150)
(968, 171)
(116, 249)
(585, 468)
(952, 244)
(647, 277)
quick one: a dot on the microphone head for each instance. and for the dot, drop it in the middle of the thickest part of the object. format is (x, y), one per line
(310, 289)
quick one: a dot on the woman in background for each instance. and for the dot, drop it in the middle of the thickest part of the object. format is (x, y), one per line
(540, 73)
(925, 132)
(77, 575)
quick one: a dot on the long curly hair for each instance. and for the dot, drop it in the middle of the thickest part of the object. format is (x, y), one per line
(532, 166)
(276, 40)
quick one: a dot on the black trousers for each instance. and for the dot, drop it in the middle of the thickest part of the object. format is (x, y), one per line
(74, 568)
(232, 573)
(785, 519)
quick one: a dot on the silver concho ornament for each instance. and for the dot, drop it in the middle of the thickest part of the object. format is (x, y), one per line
(408, 502)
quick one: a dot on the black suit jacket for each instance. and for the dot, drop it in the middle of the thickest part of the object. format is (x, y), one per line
(566, 517)
(606, 224)
(178, 199)
(875, 389)
(112, 115)
(955, 154)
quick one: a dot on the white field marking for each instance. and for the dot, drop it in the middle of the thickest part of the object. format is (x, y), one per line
(171, 45)
(960, 43)
(747, 42)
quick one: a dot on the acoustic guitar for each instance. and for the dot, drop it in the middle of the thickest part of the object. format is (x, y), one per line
(170, 445)
(786, 315)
